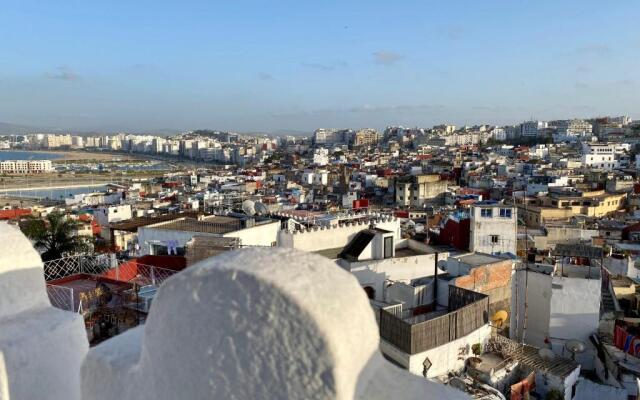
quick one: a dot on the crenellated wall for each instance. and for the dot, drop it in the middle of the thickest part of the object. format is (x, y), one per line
(249, 324)
(322, 238)
(41, 347)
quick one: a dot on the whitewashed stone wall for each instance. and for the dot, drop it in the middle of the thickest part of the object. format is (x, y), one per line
(41, 347)
(251, 324)
(322, 238)
(254, 324)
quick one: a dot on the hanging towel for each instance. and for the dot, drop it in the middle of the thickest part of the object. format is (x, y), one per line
(635, 346)
(627, 343)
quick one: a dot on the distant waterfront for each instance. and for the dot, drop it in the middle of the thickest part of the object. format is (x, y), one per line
(28, 155)
(53, 193)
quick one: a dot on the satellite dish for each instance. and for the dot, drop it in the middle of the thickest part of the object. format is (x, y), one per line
(546, 354)
(574, 346)
(499, 318)
(260, 208)
(248, 207)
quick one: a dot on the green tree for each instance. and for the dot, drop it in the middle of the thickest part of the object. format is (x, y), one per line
(55, 236)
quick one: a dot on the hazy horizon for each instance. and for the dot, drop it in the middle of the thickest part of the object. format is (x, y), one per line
(290, 66)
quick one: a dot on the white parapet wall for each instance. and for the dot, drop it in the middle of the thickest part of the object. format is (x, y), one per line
(41, 347)
(322, 238)
(254, 324)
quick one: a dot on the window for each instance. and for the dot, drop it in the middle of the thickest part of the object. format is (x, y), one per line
(505, 213)
(495, 239)
(486, 212)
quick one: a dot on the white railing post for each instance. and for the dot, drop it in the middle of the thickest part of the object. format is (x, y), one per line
(71, 307)
(153, 275)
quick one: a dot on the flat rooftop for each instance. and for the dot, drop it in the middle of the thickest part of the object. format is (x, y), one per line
(477, 259)
(332, 254)
(132, 225)
(408, 252)
(530, 356)
(216, 225)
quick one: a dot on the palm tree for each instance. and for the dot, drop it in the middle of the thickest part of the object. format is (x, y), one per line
(55, 236)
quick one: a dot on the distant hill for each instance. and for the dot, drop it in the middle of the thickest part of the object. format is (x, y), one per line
(290, 132)
(7, 128)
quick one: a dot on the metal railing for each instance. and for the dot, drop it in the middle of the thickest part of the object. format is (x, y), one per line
(78, 264)
(61, 297)
(142, 273)
(100, 266)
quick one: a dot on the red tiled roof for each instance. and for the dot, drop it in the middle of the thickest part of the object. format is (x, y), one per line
(14, 214)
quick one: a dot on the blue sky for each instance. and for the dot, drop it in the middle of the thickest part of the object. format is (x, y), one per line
(297, 65)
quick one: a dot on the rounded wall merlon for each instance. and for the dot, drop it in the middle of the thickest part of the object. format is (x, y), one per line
(22, 284)
(257, 317)
(41, 347)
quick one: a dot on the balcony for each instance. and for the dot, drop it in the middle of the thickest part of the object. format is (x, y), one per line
(466, 312)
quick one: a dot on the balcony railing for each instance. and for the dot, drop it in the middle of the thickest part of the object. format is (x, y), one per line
(101, 266)
(467, 311)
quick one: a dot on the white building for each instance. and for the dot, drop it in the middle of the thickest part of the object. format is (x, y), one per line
(540, 184)
(373, 258)
(602, 155)
(431, 346)
(320, 178)
(77, 142)
(55, 141)
(321, 157)
(532, 128)
(553, 304)
(493, 228)
(105, 215)
(573, 127)
(25, 166)
(621, 120)
(171, 237)
(499, 133)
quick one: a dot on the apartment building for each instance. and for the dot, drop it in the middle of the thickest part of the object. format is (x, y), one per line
(418, 190)
(25, 166)
(55, 141)
(366, 137)
(493, 228)
(602, 155)
(532, 128)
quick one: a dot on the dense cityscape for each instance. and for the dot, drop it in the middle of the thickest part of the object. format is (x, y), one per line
(336, 200)
(461, 226)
